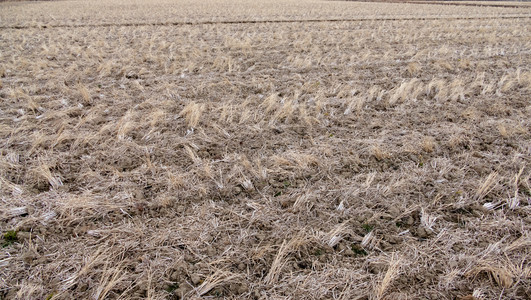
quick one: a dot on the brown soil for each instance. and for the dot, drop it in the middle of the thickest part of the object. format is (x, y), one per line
(325, 160)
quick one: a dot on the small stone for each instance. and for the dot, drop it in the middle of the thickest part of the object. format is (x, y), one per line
(457, 247)
(285, 203)
(349, 252)
(182, 290)
(394, 212)
(174, 276)
(143, 286)
(479, 209)
(195, 278)
(341, 247)
(422, 233)
(386, 246)
(211, 251)
(237, 190)
(242, 288)
(189, 258)
(453, 264)
(241, 267)
(30, 256)
(22, 236)
(377, 268)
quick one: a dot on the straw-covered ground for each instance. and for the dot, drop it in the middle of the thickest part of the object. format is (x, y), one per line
(348, 158)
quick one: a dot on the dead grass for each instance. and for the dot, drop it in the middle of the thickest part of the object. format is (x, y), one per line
(336, 159)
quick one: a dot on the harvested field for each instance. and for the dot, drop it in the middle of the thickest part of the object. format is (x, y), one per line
(286, 149)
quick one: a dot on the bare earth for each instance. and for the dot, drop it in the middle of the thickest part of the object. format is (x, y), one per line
(275, 150)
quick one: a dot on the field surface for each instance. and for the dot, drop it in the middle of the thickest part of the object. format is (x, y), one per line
(264, 150)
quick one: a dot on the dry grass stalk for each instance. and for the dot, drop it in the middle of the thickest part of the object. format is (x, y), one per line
(501, 275)
(98, 257)
(280, 259)
(125, 125)
(43, 171)
(111, 276)
(220, 276)
(487, 186)
(427, 220)
(356, 104)
(521, 243)
(192, 112)
(335, 236)
(392, 272)
(15, 212)
(303, 201)
(438, 88)
(86, 99)
(414, 68)
(428, 144)
(193, 156)
(368, 240)
(271, 103)
(10, 187)
(514, 201)
(408, 90)
(369, 179)
(278, 264)
(379, 153)
(503, 130)
(284, 112)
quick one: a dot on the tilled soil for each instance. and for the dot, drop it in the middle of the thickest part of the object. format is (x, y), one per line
(320, 160)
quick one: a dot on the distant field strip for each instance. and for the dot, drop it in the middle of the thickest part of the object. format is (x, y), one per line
(266, 21)
(480, 4)
(502, 4)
